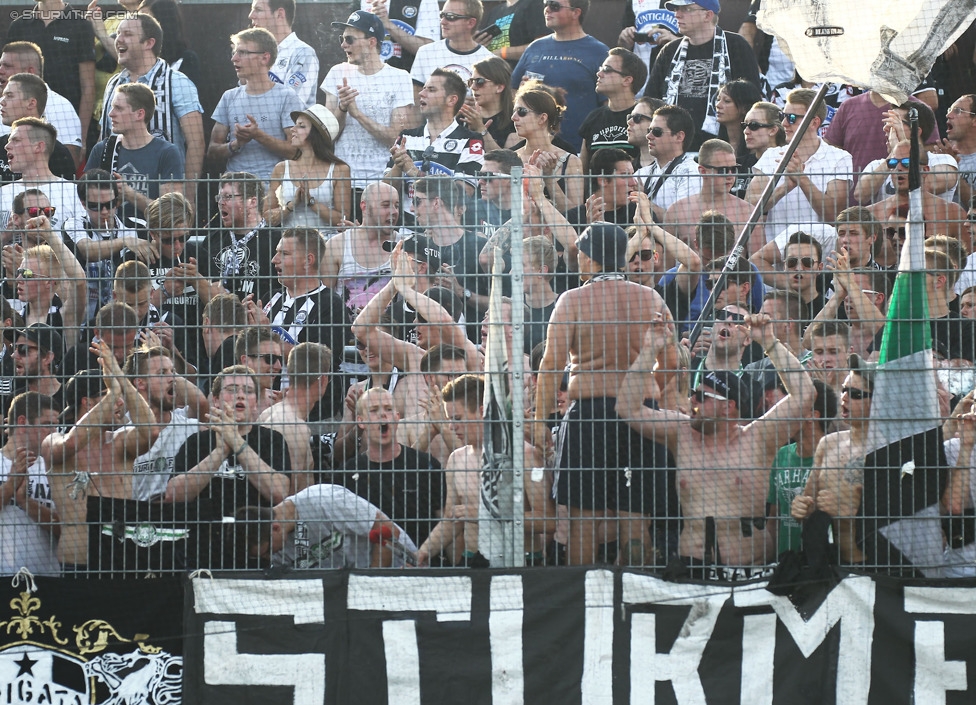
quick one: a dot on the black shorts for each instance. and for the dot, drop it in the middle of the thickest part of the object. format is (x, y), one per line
(604, 464)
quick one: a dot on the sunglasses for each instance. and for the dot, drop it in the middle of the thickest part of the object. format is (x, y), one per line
(791, 117)
(723, 315)
(638, 118)
(268, 358)
(971, 217)
(895, 232)
(658, 131)
(360, 345)
(171, 240)
(893, 163)
(479, 82)
(554, 6)
(348, 39)
(807, 262)
(522, 112)
(645, 255)
(856, 394)
(721, 170)
(23, 349)
(34, 211)
(452, 17)
(100, 205)
(488, 175)
(609, 69)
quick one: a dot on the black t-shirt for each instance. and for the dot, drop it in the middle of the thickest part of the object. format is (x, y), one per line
(61, 163)
(230, 489)
(693, 94)
(241, 268)
(65, 43)
(604, 128)
(409, 489)
(536, 326)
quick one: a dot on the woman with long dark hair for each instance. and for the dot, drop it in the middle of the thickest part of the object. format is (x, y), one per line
(313, 188)
(488, 109)
(731, 105)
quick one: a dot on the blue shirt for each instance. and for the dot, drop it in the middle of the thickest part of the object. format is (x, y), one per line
(570, 65)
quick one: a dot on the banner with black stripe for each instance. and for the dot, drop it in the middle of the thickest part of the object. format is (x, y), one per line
(573, 637)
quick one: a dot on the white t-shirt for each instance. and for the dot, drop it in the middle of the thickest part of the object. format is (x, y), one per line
(297, 67)
(827, 164)
(62, 194)
(153, 469)
(825, 234)
(683, 181)
(23, 542)
(379, 95)
(935, 160)
(332, 530)
(437, 55)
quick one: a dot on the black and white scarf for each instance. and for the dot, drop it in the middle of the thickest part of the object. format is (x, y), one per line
(721, 74)
(160, 81)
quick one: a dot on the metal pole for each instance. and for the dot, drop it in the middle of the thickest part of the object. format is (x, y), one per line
(757, 212)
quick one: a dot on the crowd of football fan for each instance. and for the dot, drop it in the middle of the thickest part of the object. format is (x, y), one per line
(299, 381)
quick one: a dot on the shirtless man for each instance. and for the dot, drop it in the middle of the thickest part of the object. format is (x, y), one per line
(716, 164)
(465, 413)
(309, 366)
(723, 467)
(837, 481)
(939, 215)
(73, 457)
(597, 329)
(354, 265)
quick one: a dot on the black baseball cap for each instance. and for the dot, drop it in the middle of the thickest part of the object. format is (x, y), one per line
(421, 248)
(44, 336)
(606, 244)
(365, 22)
(87, 384)
(727, 385)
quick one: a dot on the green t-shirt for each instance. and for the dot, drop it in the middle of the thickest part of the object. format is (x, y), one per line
(787, 478)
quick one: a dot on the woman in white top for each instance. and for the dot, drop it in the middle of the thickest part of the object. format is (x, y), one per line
(313, 188)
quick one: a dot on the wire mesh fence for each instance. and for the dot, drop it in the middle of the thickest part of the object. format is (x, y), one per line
(207, 383)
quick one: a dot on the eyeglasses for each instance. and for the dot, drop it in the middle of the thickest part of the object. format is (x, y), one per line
(723, 315)
(754, 125)
(348, 39)
(23, 350)
(554, 6)
(893, 163)
(28, 274)
(807, 262)
(452, 17)
(721, 170)
(659, 131)
(522, 112)
(100, 205)
(855, 393)
(268, 358)
(609, 69)
(235, 389)
(245, 52)
(791, 118)
(895, 232)
(34, 211)
(488, 176)
(360, 345)
(700, 395)
(638, 118)
(971, 217)
(959, 111)
(645, 255)
(477, 81)
(221, 197)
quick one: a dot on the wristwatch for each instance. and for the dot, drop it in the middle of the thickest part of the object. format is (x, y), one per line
(468, 293)
(311, 201)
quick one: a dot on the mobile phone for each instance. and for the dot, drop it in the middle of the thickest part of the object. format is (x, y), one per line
(492, 30)
(645, 38)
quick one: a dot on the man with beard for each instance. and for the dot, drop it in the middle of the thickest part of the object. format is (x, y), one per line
(37, 350)
(723, 466)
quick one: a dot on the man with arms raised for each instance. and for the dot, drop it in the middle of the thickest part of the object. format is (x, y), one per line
(597, 329)
(723, 466)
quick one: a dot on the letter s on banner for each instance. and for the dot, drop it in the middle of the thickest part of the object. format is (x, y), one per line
(223, 665)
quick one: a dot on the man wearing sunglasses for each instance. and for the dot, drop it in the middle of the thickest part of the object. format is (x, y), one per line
(939, 215)
(259, 348)
(723, 465)
(457, 48)
(569, 59)
(620, 77)
(689, 71)
(818, 179)
(37, 351)
(717, 166)
(673, 175)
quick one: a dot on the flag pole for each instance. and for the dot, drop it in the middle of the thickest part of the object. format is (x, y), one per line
(757, 212)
